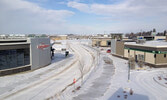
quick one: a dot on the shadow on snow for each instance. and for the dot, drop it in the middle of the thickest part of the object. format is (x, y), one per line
(121, 95)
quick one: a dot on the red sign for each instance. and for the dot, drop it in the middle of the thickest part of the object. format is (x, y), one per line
(43, 46)
(74, 80)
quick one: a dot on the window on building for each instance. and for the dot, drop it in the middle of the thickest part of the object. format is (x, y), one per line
(14, 58)
(108, 43)
(154, 55)
(164, 55)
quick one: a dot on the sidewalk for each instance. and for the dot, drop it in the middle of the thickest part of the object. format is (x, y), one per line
(99, 85)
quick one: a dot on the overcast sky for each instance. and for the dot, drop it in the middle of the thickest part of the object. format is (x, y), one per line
(82, 16)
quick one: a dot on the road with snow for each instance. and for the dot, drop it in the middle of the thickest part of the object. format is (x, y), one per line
(49, 81)
(105, 78)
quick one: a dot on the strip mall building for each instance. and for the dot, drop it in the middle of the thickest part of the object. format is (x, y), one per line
(17, 55)
(153, 53)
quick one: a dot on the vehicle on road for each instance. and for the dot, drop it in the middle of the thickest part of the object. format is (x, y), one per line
(108, 51)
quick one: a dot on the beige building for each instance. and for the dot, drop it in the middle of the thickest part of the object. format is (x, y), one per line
(120, 48)
(59, 37)
(152, 52)
(159, 37)
(117, 46)
(101, 41)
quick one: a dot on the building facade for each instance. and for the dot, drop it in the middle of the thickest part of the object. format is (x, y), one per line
(101, 41)
(152, 53)
(113, 46)
(59, 37)
(117, 46)
(17, 55)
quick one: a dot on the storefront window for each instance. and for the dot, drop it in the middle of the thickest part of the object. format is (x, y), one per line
(14, 58)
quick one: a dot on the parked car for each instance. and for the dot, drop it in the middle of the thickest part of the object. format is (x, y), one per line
(66, 53)
(108, 51)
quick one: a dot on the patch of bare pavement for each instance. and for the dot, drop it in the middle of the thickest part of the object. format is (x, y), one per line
(100, 84)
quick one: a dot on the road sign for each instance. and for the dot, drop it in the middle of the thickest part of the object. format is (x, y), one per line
(74, 80)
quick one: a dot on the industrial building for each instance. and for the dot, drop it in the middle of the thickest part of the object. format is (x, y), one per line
(17, 55)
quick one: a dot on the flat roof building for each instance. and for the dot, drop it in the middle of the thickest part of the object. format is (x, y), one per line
(101, 41)
(17, 55)
(59, 37)
(117, 46)
(152, 52)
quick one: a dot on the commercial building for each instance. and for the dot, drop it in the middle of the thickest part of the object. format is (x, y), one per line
(59, 37)
(104, 40)
(117, 46)
(152, 52)
(101, 41)
(17, 55)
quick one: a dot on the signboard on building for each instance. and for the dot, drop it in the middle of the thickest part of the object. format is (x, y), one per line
(43, 46)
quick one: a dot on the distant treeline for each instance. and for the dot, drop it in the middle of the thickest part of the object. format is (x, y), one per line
(147, 33)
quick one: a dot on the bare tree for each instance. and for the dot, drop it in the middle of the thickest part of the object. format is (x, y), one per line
(81, 69)
(154, 30)
(132, 62)
(140, 61)
(165, 32)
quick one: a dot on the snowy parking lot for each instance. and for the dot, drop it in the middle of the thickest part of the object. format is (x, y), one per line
(99, 76)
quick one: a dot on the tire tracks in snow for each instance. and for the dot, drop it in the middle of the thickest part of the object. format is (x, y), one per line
(60, 93)
(39, 82)
(150, 85)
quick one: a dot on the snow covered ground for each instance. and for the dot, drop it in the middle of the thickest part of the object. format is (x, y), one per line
(142, 83)
(49, 81)
(105, 78)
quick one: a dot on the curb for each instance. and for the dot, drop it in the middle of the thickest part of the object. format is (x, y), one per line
(159, 83)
